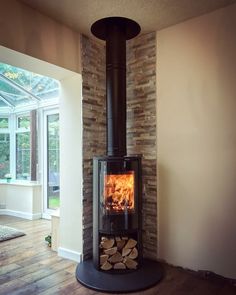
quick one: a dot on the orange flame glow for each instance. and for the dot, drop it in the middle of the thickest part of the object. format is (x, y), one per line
(119, 191)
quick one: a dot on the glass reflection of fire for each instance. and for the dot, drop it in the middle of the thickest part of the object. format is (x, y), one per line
(119, 191)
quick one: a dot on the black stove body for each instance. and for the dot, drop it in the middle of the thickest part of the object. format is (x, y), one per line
(117, 179)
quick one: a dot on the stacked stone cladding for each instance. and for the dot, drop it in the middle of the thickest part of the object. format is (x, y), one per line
(94, 126)
(141, 127)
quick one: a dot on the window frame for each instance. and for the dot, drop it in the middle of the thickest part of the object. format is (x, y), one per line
(19, 130)
(7, 131)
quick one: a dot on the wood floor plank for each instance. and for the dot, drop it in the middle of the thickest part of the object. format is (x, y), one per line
(10, 286)
(43, 284)
(18, 273)
(8, 268)
(46, 271)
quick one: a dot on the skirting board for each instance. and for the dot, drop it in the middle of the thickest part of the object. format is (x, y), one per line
(69, 254)
(21, 214)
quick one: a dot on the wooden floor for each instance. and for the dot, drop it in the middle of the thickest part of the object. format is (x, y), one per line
(29, 266)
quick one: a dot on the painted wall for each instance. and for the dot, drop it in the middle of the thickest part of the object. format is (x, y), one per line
(196, 83)
(25, 30)
(22, 200)
(3, 194)
(71, 242)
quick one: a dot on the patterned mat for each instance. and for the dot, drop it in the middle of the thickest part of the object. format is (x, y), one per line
(7, 233)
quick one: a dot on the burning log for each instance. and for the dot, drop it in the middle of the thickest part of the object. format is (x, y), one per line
(119, 192)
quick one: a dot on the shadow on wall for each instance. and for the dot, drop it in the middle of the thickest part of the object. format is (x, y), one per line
(196, 224)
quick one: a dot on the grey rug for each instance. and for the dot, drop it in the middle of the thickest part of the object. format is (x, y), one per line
(7, 233)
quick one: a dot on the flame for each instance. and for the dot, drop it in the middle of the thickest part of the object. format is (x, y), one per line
(119, 191)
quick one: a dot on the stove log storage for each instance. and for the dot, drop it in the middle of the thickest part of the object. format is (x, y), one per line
(117, 183)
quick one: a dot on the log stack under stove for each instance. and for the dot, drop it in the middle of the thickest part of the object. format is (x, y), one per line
(118, 253)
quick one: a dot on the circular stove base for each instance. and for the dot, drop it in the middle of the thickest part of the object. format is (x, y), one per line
(147, 276)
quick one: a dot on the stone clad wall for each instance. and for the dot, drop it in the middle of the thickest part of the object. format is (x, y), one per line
(94, 126)
(141, 126)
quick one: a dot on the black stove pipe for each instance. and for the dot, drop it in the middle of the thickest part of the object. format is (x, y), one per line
(115, 31)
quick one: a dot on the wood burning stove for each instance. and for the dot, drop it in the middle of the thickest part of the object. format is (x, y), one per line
(117, 243)
(117, 183)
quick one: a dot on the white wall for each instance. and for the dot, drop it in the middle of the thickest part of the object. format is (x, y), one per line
(196, 90)
(3, 194)
(27, 31)
(71, 168)
(21, 200)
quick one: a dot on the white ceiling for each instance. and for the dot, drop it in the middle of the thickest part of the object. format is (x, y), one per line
(150, 14)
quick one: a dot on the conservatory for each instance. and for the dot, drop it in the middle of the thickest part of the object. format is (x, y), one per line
(29, 143)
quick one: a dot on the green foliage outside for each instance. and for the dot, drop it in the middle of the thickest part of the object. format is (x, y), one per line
(3, 123)
(54, 202)
(22, 149)
(53, 161)
(4, 149)
(53, 143)
(23, 155)
(4, 154)
(23, 122)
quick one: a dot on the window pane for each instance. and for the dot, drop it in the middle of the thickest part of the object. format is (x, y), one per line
(23, 155)
(4, 155)
(3, 122)
(14, 96)
(41, 86)
(53, 161)
(23, 122)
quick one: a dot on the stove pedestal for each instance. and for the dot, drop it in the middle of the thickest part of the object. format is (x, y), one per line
(145, 277)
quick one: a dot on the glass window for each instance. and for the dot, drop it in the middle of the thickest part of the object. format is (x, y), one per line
(17, 84)
(4, 154)
(23, 155)
(23, 122)
(4, 123)
(53, 150)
